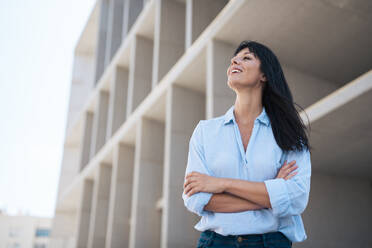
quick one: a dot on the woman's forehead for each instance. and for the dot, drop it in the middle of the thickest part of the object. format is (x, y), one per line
(244, 51)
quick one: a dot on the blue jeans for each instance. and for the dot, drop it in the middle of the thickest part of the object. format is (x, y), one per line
(211, 239)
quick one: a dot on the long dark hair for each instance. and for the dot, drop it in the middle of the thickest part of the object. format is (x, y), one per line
(288, 128)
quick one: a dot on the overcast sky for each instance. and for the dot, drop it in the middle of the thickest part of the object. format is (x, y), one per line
(37, 40)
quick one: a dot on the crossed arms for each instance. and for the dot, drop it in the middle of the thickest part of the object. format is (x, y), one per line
(213, 194)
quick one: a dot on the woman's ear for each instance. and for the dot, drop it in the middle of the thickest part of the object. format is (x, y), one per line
(263, 78)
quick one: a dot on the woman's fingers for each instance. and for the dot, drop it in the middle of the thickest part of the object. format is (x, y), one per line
(188, 180)
(285, 165)
(190, 189)
(286, 169)
(189, 177)
(291, 169)
(187, 188)
(185, 183)
(291, 175)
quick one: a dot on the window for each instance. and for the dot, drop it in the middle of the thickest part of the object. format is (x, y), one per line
(42, 232)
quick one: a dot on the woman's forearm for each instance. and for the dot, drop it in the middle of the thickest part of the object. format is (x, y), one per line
(252, 191)
(228, 203)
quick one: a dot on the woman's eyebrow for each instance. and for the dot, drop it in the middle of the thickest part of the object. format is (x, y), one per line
(254, 55)
(245, 53)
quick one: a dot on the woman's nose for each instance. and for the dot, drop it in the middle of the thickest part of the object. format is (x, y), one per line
(234, 60)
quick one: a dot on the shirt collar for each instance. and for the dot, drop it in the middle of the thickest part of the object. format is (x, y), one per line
(229, 115)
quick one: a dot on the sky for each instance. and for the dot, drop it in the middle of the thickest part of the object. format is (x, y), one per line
(37, 42)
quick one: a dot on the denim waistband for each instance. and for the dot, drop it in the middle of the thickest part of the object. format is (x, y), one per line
(253, 237)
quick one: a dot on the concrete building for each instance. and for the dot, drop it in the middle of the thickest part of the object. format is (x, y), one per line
(23, 231)
(145, 72)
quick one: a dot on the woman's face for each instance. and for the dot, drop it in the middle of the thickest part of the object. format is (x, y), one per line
(244, 71)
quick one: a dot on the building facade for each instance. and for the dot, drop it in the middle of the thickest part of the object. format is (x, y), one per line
(23, 231)
(145, 72)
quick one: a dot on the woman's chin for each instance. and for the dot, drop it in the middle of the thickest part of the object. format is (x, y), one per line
(236, 84)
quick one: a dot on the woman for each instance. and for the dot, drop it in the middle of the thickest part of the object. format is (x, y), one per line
(248, 171)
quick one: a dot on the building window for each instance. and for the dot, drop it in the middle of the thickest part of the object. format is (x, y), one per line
(42, 232)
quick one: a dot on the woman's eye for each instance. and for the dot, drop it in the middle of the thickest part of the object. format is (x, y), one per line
(246, 58)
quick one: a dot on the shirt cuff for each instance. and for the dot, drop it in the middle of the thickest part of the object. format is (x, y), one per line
(279, 198)
(197, 202)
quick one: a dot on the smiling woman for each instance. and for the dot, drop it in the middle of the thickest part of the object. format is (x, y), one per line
(248, 171)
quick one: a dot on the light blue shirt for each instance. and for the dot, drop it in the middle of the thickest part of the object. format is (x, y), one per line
(216, 149)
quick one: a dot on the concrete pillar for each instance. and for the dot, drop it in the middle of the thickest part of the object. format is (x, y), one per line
(147, 184)
(185, 108)
(219, 95)
(115, 28)
(100, 206)
(132, 8)
(100, 123)
(84, 214)
(63, 230)
(82, 82)
(118, 100)
(101, 39)
(139, 85)
(169, 37)
(120, 197)
(199, 15)
(70, 166)
(86, 139)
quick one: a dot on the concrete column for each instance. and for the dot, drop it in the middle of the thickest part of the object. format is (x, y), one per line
(86, 140)
(84, 214)
(99, 123)
(219, 95)
(100, 206)
(118, 100)
(184, 110)
(147, 184)
(132, 8)
(82, 82)
(169, 37)
(101, 39)
(64, 228)
(120, 197)
(115, 28)
(139, 85)
(70, 166)
(199, 15)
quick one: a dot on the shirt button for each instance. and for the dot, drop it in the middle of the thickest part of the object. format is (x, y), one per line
(240, 239)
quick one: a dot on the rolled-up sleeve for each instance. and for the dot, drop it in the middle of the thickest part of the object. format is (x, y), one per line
(196, 162)
(290, 197)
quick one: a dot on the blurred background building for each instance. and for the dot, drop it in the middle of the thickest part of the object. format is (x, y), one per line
(23, 231)
(145, 72)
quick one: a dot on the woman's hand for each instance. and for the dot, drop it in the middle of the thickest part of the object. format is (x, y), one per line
(197, 182)
(286, 169)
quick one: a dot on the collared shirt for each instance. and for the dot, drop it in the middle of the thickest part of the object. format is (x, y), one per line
(216, 149)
